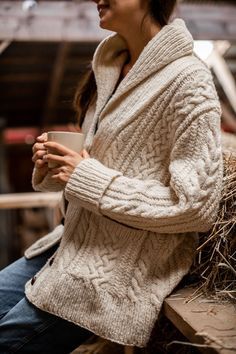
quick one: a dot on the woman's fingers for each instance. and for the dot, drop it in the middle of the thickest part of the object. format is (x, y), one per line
(40, 163)
(55, 158)
(85, 154)
(38, 146)
(38, 155)
(55, 170)
(42, 138)
(61, 149)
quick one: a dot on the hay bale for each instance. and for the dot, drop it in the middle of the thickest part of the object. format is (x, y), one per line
(215, 263)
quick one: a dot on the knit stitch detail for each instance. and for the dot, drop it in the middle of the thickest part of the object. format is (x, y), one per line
(127, 315)
(88, 182)
(148, 205)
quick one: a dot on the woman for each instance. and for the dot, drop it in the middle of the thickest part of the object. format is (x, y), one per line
(147, 181)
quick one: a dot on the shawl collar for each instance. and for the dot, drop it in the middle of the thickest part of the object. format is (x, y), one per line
(172, 42)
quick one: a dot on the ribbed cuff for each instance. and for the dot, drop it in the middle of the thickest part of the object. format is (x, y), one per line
(88, 183)
(47, 184)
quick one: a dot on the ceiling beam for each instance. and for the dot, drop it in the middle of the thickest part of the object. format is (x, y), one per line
(209, 21)
(50, 21)
(79, 22)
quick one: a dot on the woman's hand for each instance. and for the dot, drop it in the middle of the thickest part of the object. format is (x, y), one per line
(39, 151)
(65, 158)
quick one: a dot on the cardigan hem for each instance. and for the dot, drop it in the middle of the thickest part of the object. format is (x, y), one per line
(122, 321)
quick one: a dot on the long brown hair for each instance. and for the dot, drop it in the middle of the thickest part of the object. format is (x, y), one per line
(161, 11)
(85, 94)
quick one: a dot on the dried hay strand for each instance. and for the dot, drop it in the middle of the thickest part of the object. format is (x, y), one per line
(215, 263)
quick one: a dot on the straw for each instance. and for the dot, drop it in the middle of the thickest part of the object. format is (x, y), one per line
(215, 261)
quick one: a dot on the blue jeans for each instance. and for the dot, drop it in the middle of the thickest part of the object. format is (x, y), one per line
(23, 327)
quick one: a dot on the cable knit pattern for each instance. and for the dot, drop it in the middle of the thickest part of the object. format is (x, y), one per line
(152, 182)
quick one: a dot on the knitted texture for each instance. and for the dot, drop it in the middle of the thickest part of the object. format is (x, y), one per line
(153, 180)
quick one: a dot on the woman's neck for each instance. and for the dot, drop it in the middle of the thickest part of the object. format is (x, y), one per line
(136, 42)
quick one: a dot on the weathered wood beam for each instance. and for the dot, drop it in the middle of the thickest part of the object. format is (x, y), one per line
(50, 21)
(29, 200)
(202, 320)
(78, 21)
(55, 83)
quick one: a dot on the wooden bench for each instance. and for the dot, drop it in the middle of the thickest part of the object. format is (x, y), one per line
(209, 324)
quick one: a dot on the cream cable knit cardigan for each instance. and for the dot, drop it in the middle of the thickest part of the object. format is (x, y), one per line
(153, 181)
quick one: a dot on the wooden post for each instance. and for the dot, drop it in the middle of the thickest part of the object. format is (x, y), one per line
(55, 83)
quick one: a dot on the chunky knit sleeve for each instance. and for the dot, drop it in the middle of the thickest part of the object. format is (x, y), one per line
(190, 201)
(46, 184)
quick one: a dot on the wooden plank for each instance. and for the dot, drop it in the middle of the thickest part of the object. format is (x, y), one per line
(203, 321)
(79, 21)
(29, 200)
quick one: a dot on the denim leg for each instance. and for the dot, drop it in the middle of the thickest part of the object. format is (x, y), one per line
(23, 327)
(14, 277)
(28, 330)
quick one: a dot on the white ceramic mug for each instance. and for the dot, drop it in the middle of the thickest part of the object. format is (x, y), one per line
(71, 140)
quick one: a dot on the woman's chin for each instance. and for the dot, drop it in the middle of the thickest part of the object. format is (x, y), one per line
(105, 25)
(102, 25)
